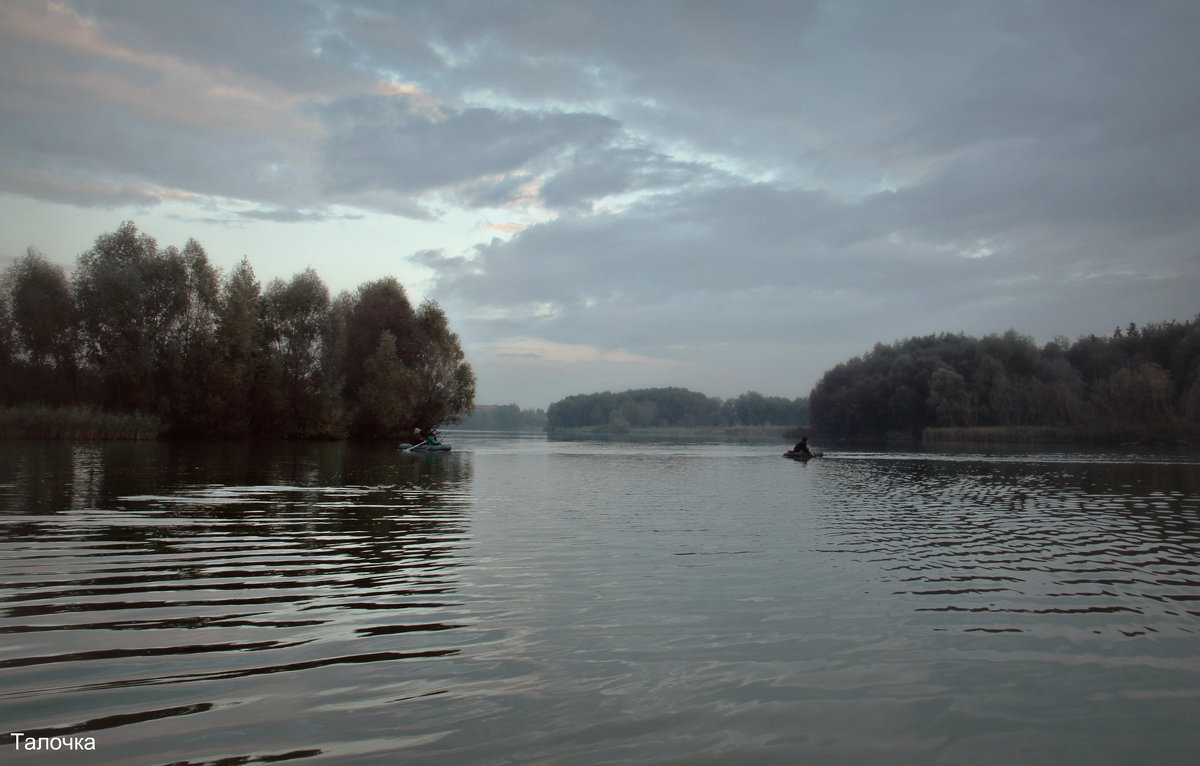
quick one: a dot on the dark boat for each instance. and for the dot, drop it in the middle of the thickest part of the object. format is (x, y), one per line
(427, 447)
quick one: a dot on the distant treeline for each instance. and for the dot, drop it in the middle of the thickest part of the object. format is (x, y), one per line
(1138, 380)
(674, 407)
(160, 332)
(505, 417)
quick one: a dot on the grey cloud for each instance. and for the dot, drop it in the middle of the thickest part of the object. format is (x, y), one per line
(613, 171)
(386, 143)
(280, 41)
(725, 238)
(99, 124)
(70, 189)
(1072, 186)
(759, 261)
(114, 158)
(709, 172)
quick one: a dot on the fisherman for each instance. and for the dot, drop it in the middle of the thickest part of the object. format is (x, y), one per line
(801, 448)
(432, 438)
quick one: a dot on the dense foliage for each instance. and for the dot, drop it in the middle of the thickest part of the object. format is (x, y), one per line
(158, 331)
(674, 407)
(1148, 378)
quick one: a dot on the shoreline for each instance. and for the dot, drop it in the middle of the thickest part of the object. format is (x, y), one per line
(1113, 434)
(42, 423)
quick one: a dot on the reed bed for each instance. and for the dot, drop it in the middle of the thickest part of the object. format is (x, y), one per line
(75, 423)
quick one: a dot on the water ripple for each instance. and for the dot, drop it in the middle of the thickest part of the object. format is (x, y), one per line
(1009, 548)
(600, 604)
(217, 587)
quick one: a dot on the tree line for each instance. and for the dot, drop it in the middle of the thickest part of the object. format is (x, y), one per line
(674, 407)
(1138, 378)
(505, 417)
(160, 331)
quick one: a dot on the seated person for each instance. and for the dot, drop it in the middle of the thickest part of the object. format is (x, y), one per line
(801, 448)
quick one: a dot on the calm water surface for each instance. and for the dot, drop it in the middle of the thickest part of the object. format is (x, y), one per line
(529, 601)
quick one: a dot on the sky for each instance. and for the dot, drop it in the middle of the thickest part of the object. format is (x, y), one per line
(726, 196)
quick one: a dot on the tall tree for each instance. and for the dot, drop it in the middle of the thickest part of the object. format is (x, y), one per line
(235, 393)
(41, 335)
(948, 397)
(296, 315)
(377, 307)
(129, 297)
(386, 397)
(42, 311)
(191, 352)
(446, 388)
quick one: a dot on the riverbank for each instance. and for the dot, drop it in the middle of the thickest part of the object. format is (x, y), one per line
(76, 423)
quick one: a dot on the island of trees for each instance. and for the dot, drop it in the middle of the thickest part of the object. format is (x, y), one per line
(672, 408)
(162, 333)
(1136, 383)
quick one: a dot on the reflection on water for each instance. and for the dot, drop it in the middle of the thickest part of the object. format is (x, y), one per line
(147, 583)
(527, 601)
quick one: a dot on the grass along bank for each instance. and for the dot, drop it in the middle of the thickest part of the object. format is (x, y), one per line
(75, 423)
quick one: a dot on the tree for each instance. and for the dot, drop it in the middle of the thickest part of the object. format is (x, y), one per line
(191, 342)
(446, 383)
(948, 397)
(386, 398)
(421, 363)
(42, 328)
(296, 328)
(377, 307)
(128, 296)
(238, 396)
(751, 409)
(42, 311)
(1141, 395)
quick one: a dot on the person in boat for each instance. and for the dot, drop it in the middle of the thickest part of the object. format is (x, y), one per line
(801, 448)
(432, 437)
(416, 437)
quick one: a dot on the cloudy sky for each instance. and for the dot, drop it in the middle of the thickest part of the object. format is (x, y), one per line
(726, 196)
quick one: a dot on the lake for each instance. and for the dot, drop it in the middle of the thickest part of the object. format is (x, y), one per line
(528, 601)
